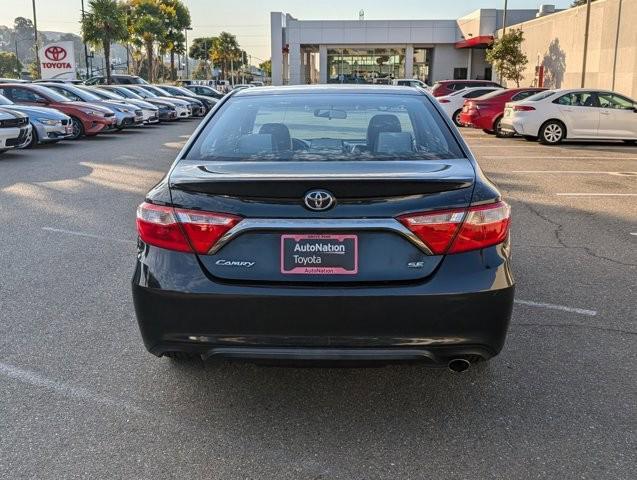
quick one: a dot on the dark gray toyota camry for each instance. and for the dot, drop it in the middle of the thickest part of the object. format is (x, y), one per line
(327, 223)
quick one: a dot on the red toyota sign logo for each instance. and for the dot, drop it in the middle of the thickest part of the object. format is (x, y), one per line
(55, 53)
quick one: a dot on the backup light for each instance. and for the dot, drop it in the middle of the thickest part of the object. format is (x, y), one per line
(523, 108)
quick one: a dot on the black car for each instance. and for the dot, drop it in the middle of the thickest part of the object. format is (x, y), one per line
(116, 80)
(198, 109)
(181, 92)
(205, 91)
(338, 223)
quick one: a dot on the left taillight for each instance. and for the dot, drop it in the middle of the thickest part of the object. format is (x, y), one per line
(180, 229)
(460, 230)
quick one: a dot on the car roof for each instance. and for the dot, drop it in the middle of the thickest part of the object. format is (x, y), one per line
(328, 88)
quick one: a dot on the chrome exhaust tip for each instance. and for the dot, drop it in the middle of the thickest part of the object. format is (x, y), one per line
(459, 365)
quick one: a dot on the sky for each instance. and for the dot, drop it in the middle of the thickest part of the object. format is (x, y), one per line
(249, 19)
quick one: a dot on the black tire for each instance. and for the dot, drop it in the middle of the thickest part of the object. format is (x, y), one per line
(34, 139)
(630, 142)
(552, 132)
(530, 138)
(498, 132)
(456, 117)
(78, 128)
(488, 132)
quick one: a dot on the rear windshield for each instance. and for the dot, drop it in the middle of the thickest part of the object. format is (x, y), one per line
(540, 96)
(493, 94)
(316, 127)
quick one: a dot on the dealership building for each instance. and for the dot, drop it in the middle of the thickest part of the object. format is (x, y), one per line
(375, 51)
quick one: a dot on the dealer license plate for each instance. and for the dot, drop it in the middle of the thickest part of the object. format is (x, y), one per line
(319, 254)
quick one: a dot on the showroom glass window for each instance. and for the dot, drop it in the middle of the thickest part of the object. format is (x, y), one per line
(376, 65)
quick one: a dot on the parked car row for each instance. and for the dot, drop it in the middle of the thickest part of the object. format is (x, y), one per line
(47, 112)
(549, 116)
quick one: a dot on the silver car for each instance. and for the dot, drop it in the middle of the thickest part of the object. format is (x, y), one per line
(48, 125)
(150, 112)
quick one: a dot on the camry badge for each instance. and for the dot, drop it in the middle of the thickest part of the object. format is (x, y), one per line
(319, 200)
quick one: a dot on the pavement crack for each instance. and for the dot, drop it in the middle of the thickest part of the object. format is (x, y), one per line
(562, 244)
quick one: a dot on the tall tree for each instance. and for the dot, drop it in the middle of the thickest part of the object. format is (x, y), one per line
(179, 19)
(507, 57)
(10, 67)
(225, 51)
(103, 24)
(266, 66)
(200, 48)
(148, 23)
(579, 3)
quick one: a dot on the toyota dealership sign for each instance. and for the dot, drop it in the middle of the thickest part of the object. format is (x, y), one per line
(57, 60)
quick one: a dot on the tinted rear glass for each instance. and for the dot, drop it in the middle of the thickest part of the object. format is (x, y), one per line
(318, 127)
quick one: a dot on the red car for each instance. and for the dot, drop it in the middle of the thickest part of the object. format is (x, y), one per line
(486, 112)
(87, 119)
(447, 87)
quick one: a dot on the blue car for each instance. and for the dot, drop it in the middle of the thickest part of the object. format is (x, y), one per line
(48, 125)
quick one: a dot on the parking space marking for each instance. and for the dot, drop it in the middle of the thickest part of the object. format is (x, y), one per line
(596, 194)
(555, 157)
(87, 235)
(564, 308)
(575, 172)
(37, 380)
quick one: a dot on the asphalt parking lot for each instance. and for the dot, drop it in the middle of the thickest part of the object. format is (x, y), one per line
(81, 398)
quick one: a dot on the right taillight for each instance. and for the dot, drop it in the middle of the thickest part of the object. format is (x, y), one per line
(460, 230)
(180, 229)
(523, 108)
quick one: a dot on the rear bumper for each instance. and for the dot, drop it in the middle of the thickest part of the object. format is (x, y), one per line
(462, 310)
(476, 120)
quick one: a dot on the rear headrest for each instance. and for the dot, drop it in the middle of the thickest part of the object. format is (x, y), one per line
(280, 135)
(383, 122)
(394, 142)
(255, 143)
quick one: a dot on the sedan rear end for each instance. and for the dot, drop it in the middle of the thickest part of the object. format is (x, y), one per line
(331, 223)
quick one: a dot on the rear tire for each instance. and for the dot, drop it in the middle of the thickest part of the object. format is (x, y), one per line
(488, 132)
(530, 138)
(552, 132)
(456, 117)
(78, 128)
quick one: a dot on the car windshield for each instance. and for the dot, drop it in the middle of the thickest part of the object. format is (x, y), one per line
(52, 94)
(5, 101)
(106, 94)
(83, 94)
(326, 126)
(144, 93)
(184, 91)
(495, 93)
(540, 96)
(126, 93)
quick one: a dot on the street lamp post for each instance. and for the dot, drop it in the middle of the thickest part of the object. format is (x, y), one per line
(588, 21)
(35, 32)
(187, 55)
(504, 18)
(85, 47)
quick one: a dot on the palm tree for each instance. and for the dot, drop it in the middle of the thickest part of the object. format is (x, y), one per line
(148, 23)
(226, 48)
(179, 19)
(104, 24)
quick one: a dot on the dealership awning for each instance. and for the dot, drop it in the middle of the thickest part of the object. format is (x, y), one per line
(482, 41)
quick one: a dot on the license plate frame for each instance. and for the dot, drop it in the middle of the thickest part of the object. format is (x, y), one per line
(330, 262)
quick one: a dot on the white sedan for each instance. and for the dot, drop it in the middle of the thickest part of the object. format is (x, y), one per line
(452, 103)
(555, 115)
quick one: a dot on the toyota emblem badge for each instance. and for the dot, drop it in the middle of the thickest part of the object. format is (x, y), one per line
(319, 200)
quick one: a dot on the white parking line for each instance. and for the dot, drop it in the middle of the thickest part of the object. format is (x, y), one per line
(38, 380)
(87, 235)
(564, 308)
(574, 172)
(555, 157)
(633, 233)
(596, 194)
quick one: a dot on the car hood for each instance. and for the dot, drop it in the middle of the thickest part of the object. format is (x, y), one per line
(94, 105)
(141, 104)
(7, 114)
(43, 112)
